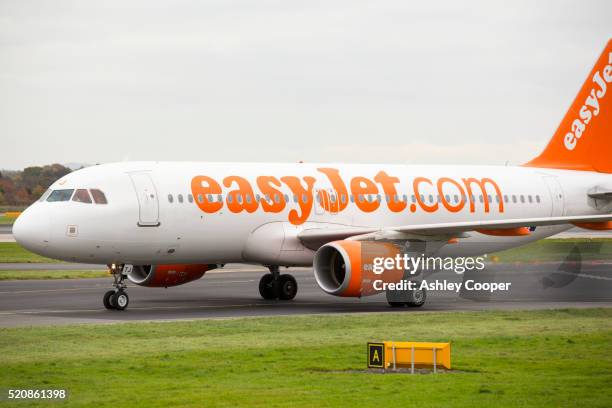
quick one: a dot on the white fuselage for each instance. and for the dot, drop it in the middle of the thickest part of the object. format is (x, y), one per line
(145, 222)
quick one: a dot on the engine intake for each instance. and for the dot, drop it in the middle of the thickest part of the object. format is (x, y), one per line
(344, 268)
(167, 275)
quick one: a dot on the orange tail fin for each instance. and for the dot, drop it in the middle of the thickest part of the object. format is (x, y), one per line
(583, 141)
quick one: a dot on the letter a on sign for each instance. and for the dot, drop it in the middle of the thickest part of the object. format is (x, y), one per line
(376, 355)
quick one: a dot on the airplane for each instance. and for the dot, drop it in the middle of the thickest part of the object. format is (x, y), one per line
(162, 224)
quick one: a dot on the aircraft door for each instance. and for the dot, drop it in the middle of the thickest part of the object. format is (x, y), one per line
(147, 199)
(556, 195)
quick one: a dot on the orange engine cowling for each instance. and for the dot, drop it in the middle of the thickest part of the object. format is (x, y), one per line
(345, 268)
(167, 275)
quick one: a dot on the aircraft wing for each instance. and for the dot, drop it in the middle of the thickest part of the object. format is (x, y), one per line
(315, 237)
(601, 193)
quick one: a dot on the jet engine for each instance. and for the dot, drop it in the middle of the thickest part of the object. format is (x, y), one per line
(167, 275)
(345, 268)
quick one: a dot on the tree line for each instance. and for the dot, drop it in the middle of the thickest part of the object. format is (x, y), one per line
(22, 188)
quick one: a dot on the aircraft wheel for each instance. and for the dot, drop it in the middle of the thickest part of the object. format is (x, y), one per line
(418, 298)
(107, 299)
(120, 300)
(288, 287)
(266, 287)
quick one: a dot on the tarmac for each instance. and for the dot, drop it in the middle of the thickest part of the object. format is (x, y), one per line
(233, 293)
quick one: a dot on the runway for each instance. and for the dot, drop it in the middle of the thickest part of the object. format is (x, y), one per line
(6, 233)
(231, 294)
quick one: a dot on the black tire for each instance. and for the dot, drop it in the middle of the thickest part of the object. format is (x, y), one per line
(266, 287)
(120, 300)
(106, 300)
(287, 288)
(418, 298)
(397, 304)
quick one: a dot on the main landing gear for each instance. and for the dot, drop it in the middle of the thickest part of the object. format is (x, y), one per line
(117, 299)
(273, 285)
(410, 298)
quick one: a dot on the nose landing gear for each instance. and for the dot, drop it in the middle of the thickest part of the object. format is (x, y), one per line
(273, 285)
(117, 299)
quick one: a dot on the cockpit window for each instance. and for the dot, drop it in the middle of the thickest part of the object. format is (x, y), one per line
(98, 196)
(60, 195)
(45, 195)
(82, 196)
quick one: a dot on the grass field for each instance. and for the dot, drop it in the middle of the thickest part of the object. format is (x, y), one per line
(521, 358)
(4, 220)
(12, 252)
(50, 274)
(557, 249)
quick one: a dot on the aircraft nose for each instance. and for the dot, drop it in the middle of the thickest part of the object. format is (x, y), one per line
(32, 229)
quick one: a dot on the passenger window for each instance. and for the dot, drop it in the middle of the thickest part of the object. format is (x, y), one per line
(201, 198)
(522, 199)
(98, 196)
(82, 196)
(489, 198)
(529, 199)
(538, 199)
(505, 198)
(430, 198)
(447, 198)
(190, 198)
(343, 198)
(60, 195)
(248, 199)
(514, 198)
(170, 198)
(180, 198)
(456, 197)
(480, 198)
(286, 198)
(277, 198)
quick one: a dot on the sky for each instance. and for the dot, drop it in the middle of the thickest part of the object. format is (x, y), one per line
(439, 82)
